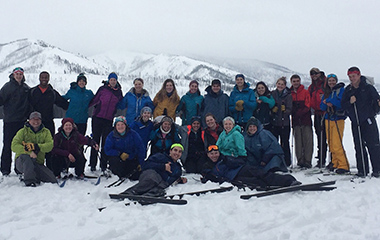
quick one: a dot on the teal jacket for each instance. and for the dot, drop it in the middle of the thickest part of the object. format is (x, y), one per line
(190, 105)
(79, 100)
(232, 144)
(249, 98)
(42, 137)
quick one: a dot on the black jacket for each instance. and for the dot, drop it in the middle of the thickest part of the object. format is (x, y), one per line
(14, 98)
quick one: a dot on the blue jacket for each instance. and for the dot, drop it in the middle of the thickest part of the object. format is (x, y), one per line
(190, 105)
(157, 162)
(249, 98)
(79, 100)
(336, 112)
(134, 104)
(143, 129)
(226, 168)
(162, 145)
(264, 147)
(130, 143)
(366, 101)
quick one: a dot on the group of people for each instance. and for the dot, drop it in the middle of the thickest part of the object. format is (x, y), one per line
(242, 138)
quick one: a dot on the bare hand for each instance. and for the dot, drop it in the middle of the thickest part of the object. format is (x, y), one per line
(324, 101)
(259, 101)
(184, 180)
(33, 155)
(167, 167)
(71, 158)
(352, 99)
(96, 147)
(329, 104)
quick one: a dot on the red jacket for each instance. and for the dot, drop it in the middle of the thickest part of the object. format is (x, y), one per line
(316, 90)
(301, 115)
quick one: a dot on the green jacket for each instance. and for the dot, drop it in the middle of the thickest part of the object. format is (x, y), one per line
(43, 138)
(232, 144)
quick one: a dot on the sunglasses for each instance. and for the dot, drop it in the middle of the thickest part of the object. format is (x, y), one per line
(331, 75)
(313, 73)
(212, 148)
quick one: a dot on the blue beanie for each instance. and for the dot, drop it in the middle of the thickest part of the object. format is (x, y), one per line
(112, 75)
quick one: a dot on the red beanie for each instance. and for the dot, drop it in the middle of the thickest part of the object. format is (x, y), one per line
(65, 120)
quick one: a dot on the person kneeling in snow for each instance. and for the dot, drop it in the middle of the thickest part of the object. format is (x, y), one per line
(159, 172)
(30, 145)
(220, 168)
(68, 149)
(125, 150)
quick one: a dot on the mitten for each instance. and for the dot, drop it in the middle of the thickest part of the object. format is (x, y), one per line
(124, 156)
(283, 108)
(275, 109)
(239, 105)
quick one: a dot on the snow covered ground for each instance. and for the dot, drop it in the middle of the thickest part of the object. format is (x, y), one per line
(352, 211)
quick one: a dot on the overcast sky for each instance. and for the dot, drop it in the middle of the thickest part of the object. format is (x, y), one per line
(298, 34)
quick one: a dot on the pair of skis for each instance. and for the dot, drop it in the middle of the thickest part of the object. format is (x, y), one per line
(85, 178)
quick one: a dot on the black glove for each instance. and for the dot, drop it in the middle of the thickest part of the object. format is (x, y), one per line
(36, 148)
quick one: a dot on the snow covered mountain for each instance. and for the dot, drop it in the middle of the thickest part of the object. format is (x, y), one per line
(36, 55)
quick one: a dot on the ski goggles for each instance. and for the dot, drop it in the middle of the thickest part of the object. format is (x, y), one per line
(331, 75)
(212, 148)
(18, 69)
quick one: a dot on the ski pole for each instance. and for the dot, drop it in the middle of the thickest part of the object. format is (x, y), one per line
(360, 139)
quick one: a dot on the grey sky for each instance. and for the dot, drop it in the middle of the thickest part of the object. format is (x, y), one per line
(330, 34)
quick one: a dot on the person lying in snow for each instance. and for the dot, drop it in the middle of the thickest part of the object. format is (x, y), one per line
(159, 172)
(220, 168)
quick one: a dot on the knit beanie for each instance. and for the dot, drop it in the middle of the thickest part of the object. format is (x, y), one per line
(65, 120)
(35, 115)
(120, 119)
(145, 109)
(195, 119)
(81, 76)
(112, 75)
(252, 121)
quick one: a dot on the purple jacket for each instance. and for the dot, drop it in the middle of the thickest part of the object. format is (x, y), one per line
(64, 145)
(105, 101)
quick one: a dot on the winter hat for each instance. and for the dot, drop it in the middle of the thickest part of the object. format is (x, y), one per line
(176, 145)
(120, 119)
(145, 109)
(216, 81)
(167, 119)
(240, 75)
(18, 69)
(35, 115)
(112, 75)
(194, 81)
(353, 70)
(252, 121)
(65, 120)
(314, 69)
(195, 119)
(81, 76)
(229, 118)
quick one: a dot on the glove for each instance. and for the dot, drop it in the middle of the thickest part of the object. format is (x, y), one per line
(138, 168)
(283, 107)
(124, 156)
(275, 109)
(239, 105)
(28, 147)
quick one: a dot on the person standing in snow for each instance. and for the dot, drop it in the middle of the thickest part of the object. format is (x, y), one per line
(166, 100)
(42, 99)
(105, 101)
(215, 102)
(242, 101)
(281, 116)
(220, 168)
(159, 172)
(265, 103)
(190, 104)
(301, 122)
(68, 149)
(362, 102)
(30, 144)
(134, 100)
(79, 98)
(316, 90)
(14, 98)
(334, 122)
